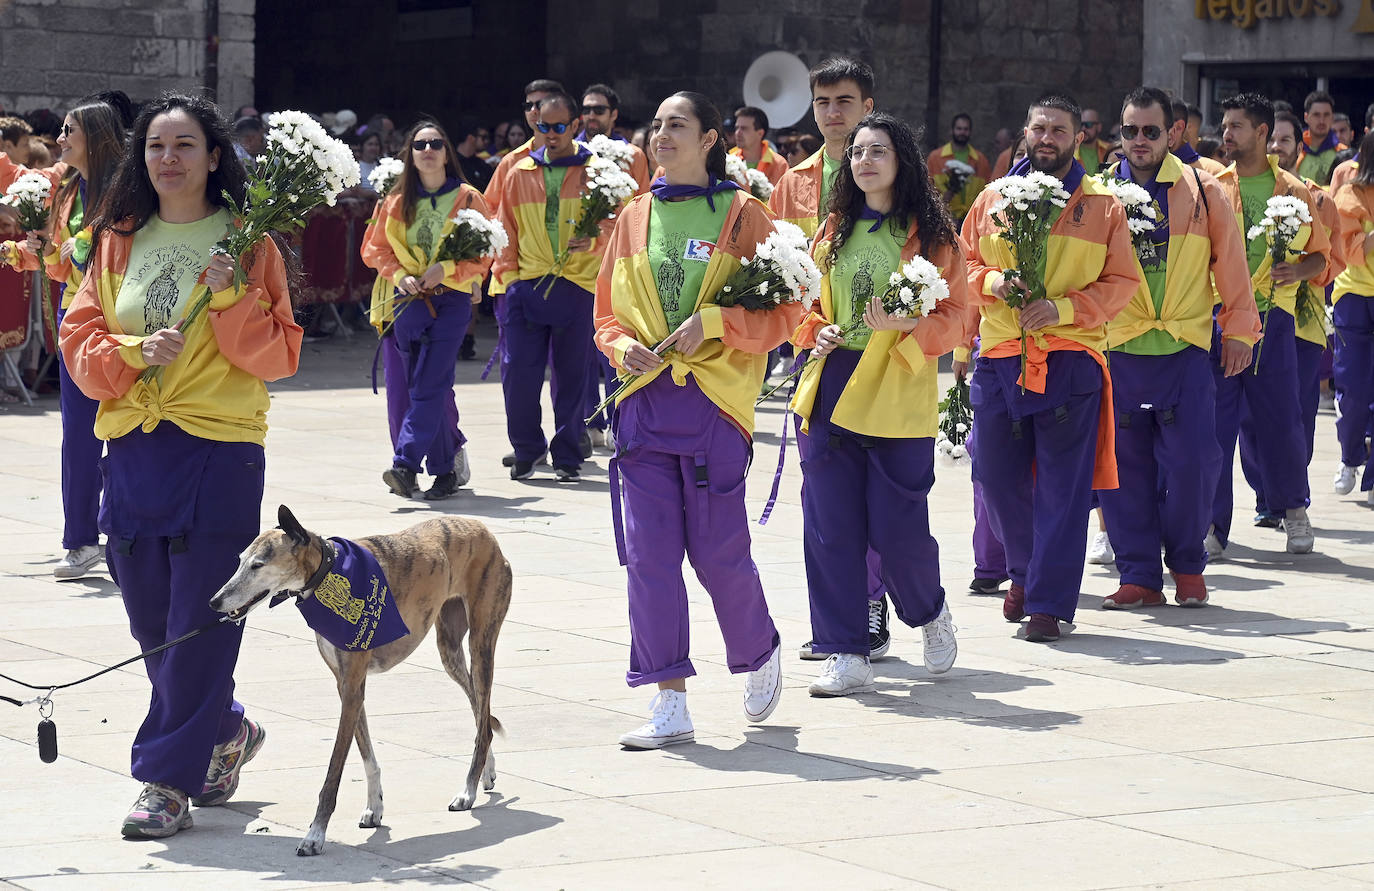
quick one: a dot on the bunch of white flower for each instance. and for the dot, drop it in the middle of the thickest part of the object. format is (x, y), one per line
(916, 289)
(385, 174)
(31, 189)
(302, 137)
(1283, 216)
(490, 231)
(959, 168)
(607, 179)
(1022, 192)
(604, 146)
(737, 169)
(759, 185)
(1140, 211)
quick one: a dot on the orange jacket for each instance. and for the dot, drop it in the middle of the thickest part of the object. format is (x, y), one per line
(1356, 206)
(796, 197)
(1344, 173)
(521, 210)
(935, 161)
(771, 164)
(1003, 164)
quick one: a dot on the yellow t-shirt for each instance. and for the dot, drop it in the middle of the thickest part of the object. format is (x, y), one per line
(165, 260)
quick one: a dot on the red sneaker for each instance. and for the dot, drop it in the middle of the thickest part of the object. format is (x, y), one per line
(1014, 604)
(1191, 590)
(1042, 628)
(1134, 597)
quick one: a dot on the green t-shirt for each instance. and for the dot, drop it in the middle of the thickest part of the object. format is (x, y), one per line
(1087, 156)
(829, 170)
(860, 273)
(960, 154)
(553, 184)
(1154, 343)
(682, 238)
(1255, 192)
(1318, 167)
(165, 260)
(424, 231)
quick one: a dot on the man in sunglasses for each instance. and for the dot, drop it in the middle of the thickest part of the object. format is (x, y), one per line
(1093, 150)
(1269, 394)
(1178, 140)
(535, 92)
(546, 314)
(1163, 390)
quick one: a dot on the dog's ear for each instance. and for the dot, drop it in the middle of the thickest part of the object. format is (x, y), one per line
(291, 526)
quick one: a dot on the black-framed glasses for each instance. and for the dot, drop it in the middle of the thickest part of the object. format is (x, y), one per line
(597, 110)
(1131, 131)
(531, 106)
(560, 129)
(420, 145)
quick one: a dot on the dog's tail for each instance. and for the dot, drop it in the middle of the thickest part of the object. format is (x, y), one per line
(497, 728)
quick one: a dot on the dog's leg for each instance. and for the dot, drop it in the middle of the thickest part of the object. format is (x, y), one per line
(450, 629)
(372, 816)
(351, 671)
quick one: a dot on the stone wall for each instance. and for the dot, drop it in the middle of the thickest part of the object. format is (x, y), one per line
(52, 52)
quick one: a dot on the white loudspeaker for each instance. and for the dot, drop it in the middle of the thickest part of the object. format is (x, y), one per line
(780, 84)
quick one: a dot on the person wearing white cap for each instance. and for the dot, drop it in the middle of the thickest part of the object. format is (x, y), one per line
(345, 119)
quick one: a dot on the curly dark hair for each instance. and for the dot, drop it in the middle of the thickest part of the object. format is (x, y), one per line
(130, 193)
(913, 194)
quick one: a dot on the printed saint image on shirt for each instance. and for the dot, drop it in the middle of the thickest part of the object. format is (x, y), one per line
(162, 299)
(424, 236)
(167, 275)
(671, 276)
(862, 289)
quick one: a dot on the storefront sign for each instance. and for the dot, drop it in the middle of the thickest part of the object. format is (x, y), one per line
(1245, 13)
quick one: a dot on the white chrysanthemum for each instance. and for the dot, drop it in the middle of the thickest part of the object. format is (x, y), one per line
(385, 174)
(605, 177)
(492, 230)
(954, 165)
(759, 185)
(603, 146)
(31, 188)
(737, 169)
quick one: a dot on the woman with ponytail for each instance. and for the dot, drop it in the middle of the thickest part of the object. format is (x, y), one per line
(91, 142)
(683, 427)
(866, 412)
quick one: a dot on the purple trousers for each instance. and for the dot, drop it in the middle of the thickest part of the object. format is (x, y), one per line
(681, 466)
(1269, 391)
(177, 512)
(989, 558)
(537, 331)
(1036, 456)
(1310, 358)
(1167, 461)
(862, 497)
(428, 348)
(1354, 370)
(398, 401)
(81, 452)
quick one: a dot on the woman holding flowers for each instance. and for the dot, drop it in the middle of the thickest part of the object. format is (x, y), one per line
(91, 141)
(423, 328)
(184, 472)
(891, 302)
(683, 424)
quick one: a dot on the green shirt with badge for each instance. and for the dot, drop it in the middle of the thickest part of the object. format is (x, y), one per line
(682, 239)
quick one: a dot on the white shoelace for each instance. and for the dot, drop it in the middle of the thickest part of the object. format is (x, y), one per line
(875, 616)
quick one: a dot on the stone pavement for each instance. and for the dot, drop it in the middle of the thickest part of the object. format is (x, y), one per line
(1229, 747)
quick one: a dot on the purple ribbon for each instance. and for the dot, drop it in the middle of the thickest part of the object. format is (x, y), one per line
(663, 191)
(782, 449)
(871, 214)
(578, 157)
(496, 351)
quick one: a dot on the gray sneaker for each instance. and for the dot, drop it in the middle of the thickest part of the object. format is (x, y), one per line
(159, 812)
(78, 562)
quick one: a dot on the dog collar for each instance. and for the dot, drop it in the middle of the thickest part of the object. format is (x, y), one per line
(327, 557)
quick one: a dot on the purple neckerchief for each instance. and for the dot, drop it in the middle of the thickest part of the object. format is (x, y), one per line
(1071, 182)
(352, 607)
(1328, 144)
(449, 185)
(871, 214)
(1187, 154)
(578, 157)
(665, 192)
(1160, 193)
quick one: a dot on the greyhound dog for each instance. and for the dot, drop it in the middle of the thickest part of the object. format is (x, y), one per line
(448, 573)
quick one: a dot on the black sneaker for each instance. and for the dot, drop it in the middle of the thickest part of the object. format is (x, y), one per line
(445, 486)
(878, 637)
(522, 470)
(989, 587)
(401, 481)
(1268, 520)
(468, 350)
(586, 443)
(566, 474)
(508, 459)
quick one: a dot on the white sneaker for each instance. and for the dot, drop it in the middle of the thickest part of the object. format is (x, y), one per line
(669, 723)
(1212, 543)
(78, 562)
(763, 688)
(1344, 482)
(1299, 531)
(842, 674)
(941, 649)
(598, 436)
(461, 467)
(1369, 497)
(1101, 552)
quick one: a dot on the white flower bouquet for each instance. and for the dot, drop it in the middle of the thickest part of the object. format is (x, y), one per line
(956, 420)
(737, 169)
(385, 174)
(957, 174)
(304, 167)
(1023, 215)
(759, 185)
(912, 292)
(1284, 216)
(29, 196)
(604, 146)
(781, 271)
(1142, 217)
(606, 188)
(473, 235)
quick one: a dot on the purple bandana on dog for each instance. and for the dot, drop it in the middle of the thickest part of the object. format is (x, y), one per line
(352, 607)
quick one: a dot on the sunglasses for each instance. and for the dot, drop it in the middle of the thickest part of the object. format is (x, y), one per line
(560, 129)
(420, 145)
(1131, 131)
(531, 106)
(596, 109)
(67, 129)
